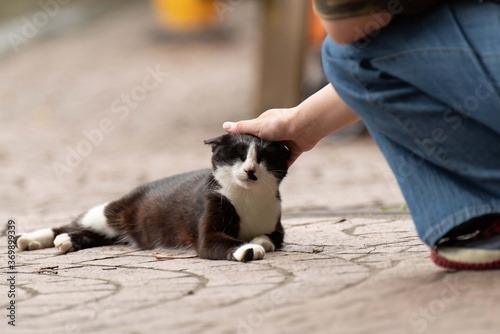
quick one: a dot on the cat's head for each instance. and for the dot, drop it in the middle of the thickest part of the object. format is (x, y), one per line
(246, 160)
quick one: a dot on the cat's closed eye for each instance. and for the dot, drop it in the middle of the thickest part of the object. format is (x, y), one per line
(240, 153)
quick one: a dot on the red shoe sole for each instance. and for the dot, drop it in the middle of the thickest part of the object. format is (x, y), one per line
(443, 262)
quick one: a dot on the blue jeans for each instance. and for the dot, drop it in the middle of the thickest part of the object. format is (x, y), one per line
(428, 89)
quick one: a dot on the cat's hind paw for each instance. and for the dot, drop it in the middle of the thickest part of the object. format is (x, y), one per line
(249, 252)
(25, 243)
(63, 243)
(265, 242)
(35, 240)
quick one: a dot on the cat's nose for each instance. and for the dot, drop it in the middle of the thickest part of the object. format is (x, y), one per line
(251, 174)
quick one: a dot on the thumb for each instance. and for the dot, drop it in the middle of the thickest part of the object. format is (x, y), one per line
(237, 127)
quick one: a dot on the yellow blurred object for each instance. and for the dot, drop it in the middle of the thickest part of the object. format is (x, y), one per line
(184, 15)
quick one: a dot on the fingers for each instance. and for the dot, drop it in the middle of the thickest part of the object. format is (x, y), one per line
(267, 125)
(295, 152)
(251, 127)
(240, 127)
(270, 125)
(229, 126)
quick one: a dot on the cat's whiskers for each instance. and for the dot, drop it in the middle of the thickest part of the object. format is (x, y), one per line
(209, 184)
(239, 137)
(264, 143)
(269, 183)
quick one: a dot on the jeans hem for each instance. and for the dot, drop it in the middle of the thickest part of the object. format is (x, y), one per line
(458, 218)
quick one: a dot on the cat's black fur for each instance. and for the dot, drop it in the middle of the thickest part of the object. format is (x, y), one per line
(219, 212)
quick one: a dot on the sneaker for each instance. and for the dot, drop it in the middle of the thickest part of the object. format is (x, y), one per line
(479, 250)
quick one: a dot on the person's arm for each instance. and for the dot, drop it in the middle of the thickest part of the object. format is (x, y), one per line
(300, 127)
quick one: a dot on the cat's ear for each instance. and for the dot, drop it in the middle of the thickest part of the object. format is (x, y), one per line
(214, 142)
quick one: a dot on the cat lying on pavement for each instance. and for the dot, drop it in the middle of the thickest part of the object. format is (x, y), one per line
(229, 212)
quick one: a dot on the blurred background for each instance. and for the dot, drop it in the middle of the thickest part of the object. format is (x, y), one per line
(99, 96)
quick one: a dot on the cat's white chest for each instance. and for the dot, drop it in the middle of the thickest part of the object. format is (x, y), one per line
(258, 216)
(259, 211)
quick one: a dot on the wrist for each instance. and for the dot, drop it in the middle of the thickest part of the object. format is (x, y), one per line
(307, 124)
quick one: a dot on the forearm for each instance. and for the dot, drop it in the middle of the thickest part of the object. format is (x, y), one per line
(321, 114)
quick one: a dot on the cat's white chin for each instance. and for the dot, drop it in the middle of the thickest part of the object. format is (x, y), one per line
(247, 184)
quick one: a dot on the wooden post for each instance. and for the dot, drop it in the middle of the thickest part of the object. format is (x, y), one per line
(283, 46)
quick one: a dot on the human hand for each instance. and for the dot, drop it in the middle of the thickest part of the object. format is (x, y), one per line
(300, 128)
(277, 125)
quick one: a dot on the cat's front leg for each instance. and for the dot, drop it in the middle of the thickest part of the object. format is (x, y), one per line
(249, 252)
(271, 241)
(265, 242)
(220, 246)
(218, 233)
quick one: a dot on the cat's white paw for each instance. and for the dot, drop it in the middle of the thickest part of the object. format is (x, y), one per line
(249, 252)
(26, 243)
(63, 243)
(265, 242)
(35, 240)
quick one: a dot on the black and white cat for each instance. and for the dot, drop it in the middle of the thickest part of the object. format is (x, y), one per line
(229, 212)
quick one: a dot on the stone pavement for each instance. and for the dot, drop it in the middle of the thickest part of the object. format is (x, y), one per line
(352, 261)
(335, 275)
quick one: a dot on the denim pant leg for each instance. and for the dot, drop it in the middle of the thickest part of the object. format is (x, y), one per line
(428, 89)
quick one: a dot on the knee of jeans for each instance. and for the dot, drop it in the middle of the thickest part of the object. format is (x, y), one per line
(335, 61)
